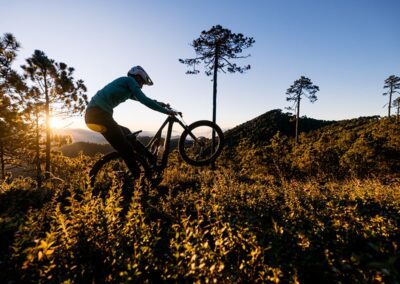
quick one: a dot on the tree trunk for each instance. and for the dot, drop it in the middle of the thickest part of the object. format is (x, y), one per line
(390, 100)
(48, 136)
(297, 118)
(38, 165)
(214, 118)
(215, 84)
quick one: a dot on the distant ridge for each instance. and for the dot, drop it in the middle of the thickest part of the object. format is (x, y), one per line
(83, 135)
(86, 148)
(90, 143)
(91, 149)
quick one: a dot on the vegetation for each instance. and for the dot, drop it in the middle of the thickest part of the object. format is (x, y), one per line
(325, 210)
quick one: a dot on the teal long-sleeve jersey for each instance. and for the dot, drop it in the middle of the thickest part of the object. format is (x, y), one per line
(120, 90)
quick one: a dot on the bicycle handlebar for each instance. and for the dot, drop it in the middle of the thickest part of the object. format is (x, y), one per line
(177, 112)
(174, 110)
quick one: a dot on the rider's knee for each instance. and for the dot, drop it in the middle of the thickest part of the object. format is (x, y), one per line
(97, 127)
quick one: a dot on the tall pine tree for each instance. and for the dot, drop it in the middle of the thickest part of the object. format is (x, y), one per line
(216, 48)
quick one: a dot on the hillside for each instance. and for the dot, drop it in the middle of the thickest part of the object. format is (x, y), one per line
(261, 129)
(365, 146)
(360, 147)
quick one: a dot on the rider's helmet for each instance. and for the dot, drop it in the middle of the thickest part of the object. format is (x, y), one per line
(138, 70)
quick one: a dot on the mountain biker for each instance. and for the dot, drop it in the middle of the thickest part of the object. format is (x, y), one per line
(99, 112)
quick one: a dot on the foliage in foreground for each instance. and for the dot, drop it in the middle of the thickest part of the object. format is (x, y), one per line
(199, 226)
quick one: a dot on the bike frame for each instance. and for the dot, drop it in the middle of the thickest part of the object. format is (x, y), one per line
(168, 122)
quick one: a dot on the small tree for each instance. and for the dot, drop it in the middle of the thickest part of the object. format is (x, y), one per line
(396, 105)
(301, 87)
(216, 48)
(393, 84)
(57, 88)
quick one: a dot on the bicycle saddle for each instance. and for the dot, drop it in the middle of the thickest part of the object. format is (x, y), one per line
(136, 133)
(133, 135)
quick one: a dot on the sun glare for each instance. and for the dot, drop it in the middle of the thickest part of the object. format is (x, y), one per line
(57, 123)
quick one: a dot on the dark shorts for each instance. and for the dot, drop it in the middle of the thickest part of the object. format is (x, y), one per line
(101, 121)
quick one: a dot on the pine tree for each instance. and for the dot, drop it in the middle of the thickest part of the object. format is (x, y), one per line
(216, 48)
(301, 87)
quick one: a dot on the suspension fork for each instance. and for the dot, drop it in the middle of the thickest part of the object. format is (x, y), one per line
(185, 127)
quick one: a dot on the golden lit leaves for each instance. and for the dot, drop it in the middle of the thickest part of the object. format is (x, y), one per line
(202, 226)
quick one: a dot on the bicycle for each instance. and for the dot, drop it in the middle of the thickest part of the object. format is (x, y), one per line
(200, 144)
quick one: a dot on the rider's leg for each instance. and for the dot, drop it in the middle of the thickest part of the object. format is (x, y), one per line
(117, 139)
(115, 135)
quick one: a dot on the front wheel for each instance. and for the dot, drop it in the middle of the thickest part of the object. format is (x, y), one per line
(201, 143)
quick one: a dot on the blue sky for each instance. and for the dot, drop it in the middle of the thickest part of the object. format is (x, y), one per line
(346, 47)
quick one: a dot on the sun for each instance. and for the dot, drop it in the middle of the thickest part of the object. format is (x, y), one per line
(57, 123)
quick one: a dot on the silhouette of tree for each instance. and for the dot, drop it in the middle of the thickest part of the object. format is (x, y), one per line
(216, 48)
(301, 87)
(12, 86)
(393, 84)
(58, 90)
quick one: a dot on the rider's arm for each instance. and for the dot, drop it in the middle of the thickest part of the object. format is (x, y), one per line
(141, 97)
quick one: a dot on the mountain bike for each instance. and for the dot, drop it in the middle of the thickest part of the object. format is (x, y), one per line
(200, 144)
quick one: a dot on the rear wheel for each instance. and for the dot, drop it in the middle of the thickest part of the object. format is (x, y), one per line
(201, 143)
(111, 169)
